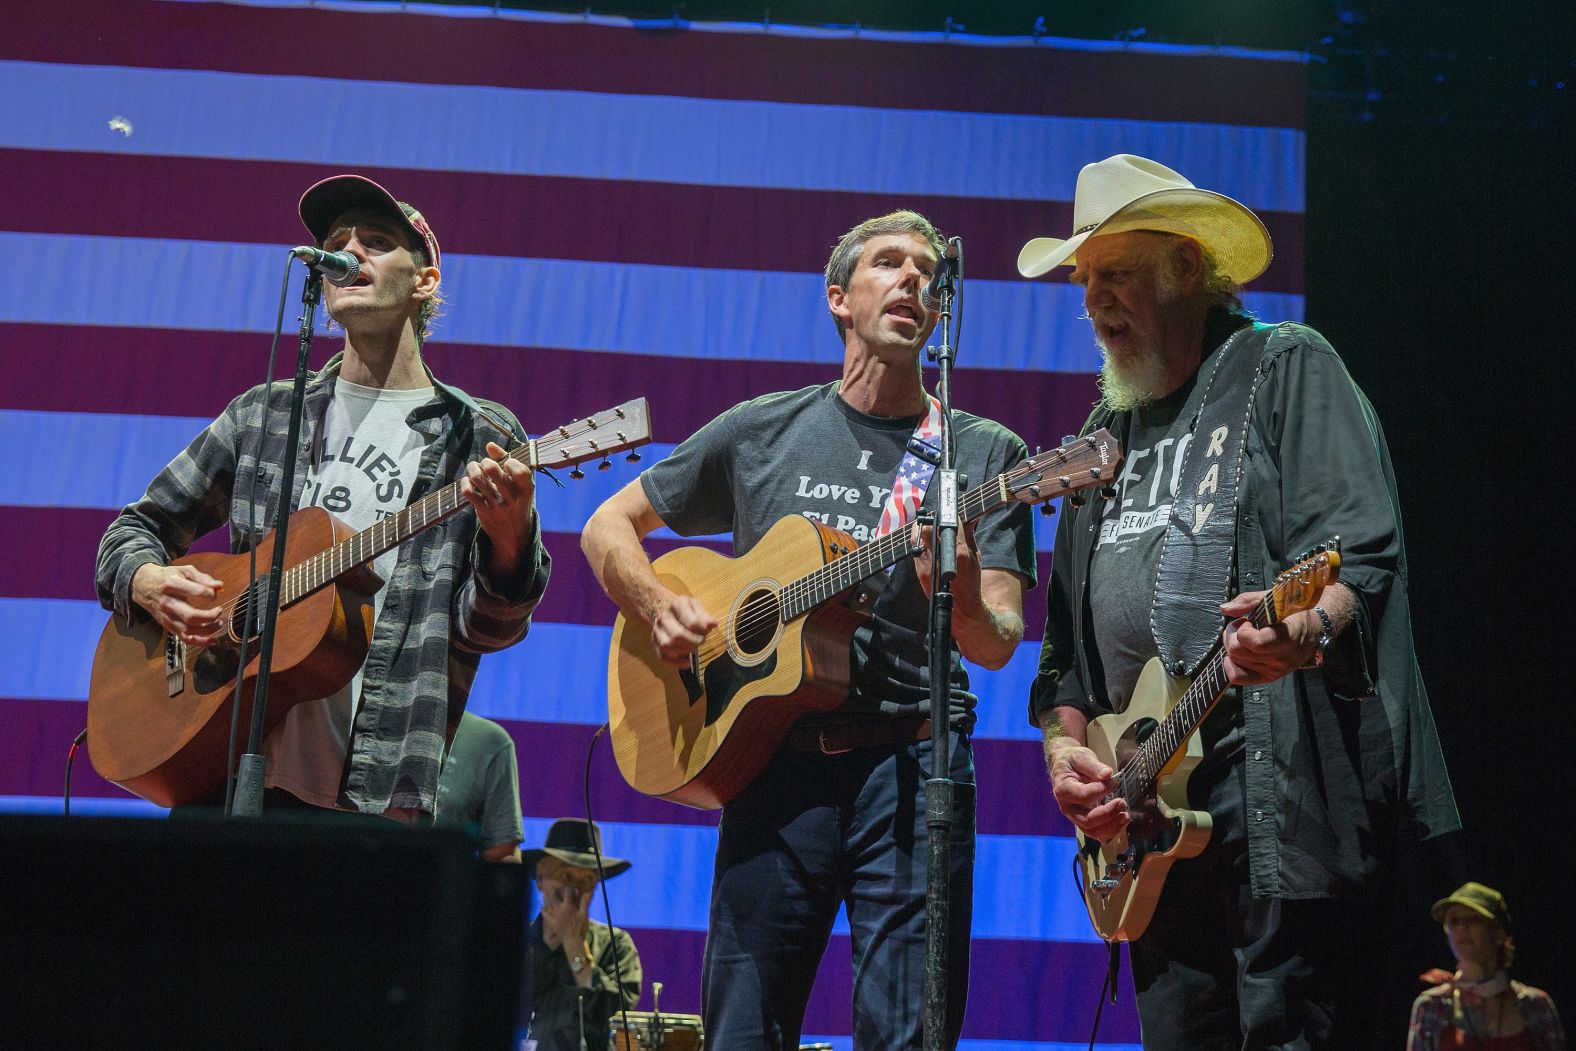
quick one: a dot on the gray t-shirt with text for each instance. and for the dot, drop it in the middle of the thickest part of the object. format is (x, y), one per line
(808, 452)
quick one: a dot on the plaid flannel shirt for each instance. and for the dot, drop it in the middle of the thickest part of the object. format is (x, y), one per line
(1435, 1011)
(442, 610)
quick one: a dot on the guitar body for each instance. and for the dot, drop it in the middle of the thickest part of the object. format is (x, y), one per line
(1121, 878)
(699, 739)
(159, 714)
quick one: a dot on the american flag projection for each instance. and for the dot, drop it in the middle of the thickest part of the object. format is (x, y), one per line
(625, 209)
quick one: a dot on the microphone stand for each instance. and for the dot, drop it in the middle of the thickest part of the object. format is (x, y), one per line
(939, 788)
(253, 767)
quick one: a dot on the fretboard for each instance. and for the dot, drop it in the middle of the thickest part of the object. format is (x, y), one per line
(840, 574)
(306, 577)
(1136, 779)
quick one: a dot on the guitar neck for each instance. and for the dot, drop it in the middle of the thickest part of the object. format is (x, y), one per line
(1136, 779)
(362, 547)
(837, 576)
(1294, 590)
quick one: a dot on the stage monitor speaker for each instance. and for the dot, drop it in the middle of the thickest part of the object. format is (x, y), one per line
(270, 933)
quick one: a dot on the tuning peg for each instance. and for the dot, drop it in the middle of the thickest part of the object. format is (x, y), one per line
(1069, 439)
(1047, 510)
(577, 473)
(1077, 499)
(605, 465)
(1108, 492)
(632, 457)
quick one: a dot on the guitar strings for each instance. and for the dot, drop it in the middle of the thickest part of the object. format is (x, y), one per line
(1145, 764)
(291, 579)
(864, 561)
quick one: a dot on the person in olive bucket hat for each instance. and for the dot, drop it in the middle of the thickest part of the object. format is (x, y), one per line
(1478, 1006)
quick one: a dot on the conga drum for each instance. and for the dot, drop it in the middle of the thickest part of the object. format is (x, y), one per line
(650, 1031)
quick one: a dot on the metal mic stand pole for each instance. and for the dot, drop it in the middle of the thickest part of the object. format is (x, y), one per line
(939, 789)
(253, 767)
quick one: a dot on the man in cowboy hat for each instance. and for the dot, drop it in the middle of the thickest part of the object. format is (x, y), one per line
(377, 428)
(580, 972)
(1246, 444)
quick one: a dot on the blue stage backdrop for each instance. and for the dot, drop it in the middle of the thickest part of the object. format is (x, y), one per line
(626, 209)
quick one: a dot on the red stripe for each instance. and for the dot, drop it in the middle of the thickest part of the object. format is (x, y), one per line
(174, 372)
(1129, 84)
(33, 753)
(534, 217)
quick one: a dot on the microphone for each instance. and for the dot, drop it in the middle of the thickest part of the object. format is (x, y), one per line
(945, 275)
(340, 268)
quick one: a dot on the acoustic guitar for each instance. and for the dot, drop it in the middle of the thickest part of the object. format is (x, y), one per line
(159, 712)
(787, 611)
(1153, 749)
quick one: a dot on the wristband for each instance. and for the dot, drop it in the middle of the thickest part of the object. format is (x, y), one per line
(1325, 635)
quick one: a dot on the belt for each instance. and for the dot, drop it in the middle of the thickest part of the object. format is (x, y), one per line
(845, 737)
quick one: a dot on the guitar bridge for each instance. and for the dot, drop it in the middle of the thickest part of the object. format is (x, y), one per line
(174, 665)
(1115, 873)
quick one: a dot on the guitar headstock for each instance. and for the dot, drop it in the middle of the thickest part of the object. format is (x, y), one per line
(596, 437)
(1298, 588)
(1082, 463)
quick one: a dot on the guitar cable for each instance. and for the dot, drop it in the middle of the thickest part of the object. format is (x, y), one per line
(596, 851)
(1109, 984)
(71, 755)
(250, 622)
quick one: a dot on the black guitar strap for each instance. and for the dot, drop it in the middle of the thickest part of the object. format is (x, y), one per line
(1196, 555)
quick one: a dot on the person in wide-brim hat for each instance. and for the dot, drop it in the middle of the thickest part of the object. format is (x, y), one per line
(579, 972)
(1125, 192)
(575, 842)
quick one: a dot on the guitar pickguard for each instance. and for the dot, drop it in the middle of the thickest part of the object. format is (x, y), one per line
(725, 678)
(215, 668)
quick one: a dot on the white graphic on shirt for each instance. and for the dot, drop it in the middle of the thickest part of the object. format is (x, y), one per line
(357, 473)
(842, 496)
(1140, 508)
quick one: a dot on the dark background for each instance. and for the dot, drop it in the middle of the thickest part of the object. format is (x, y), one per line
(1438, 260)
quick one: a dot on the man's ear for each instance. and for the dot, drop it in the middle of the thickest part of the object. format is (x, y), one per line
(427, 282)
(837, 303)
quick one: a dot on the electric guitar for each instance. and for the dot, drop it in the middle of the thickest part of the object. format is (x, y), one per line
(698, 735)
(159, 712)
(1153, 749)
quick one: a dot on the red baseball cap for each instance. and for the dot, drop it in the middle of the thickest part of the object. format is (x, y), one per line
(326, 201)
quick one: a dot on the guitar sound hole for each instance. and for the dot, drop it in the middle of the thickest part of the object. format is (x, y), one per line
(251, 599)
(756, 624)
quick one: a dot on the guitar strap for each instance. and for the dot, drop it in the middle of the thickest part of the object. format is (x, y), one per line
(914, 472)
(1196, 555)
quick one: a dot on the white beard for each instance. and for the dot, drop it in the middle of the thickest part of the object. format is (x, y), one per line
(1135, 380)
(1130, 384)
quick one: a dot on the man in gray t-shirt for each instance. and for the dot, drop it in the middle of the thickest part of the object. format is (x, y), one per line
(837, 818)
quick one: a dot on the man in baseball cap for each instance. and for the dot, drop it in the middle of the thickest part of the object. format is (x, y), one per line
(377, 429)
(1246, 445)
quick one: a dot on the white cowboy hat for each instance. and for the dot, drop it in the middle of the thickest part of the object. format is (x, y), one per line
(1133, 193)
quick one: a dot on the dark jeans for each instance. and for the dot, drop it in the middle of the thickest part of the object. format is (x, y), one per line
(1219, 969)
(811, 833)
